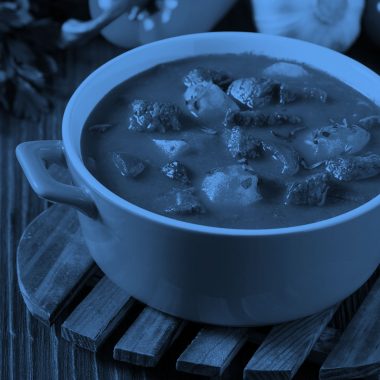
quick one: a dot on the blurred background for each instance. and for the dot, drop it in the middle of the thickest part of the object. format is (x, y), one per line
(40, 39)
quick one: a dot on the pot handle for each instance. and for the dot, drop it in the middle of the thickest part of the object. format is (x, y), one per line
(33, 157)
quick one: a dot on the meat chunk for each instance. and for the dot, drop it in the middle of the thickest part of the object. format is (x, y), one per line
(285, 69)
(311, 191)
(207, 101)
(369, 122)
(100, 128)
(176, 171)
(287, 95)
(245, 119)
(324, 143)
(209, 131)
(128, 166)
(154, 117)
(354, 168)
(180, 202)
(345, 193)
(172, 148)
(258, 119)
(277, 118)
(197, 139)
(231, 186)
(253, 92)
(90, 163)
(242, 144)
(315, 93)
(288, 136)
(202, 74)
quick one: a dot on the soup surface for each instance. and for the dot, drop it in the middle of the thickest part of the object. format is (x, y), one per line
(237, 141)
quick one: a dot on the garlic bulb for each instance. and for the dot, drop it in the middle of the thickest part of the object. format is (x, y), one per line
(331, 23)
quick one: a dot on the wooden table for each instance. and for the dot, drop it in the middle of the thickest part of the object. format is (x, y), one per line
(29, 349)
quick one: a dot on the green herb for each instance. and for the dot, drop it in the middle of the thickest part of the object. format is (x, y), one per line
(26, 61)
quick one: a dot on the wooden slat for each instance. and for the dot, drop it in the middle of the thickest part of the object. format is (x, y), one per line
(357, 353)
(147, 338)
(324, 345)
(286, 347)
(351, 304)
(321, 349)
(97, 315)
(212, 350)
(50, 248)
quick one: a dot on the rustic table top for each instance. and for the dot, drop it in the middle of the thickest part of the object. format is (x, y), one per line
(29, 349)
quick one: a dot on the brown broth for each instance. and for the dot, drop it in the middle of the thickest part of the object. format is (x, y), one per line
(163, 83)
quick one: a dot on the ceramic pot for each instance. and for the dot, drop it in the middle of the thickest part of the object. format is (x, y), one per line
(210, 274)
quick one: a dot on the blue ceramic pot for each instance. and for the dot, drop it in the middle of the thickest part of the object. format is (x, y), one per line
(209, 274)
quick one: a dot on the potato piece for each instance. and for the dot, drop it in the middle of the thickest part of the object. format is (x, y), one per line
(284, 154)
(207, 101)
(285, 69)
(324, 143)
(231, 186)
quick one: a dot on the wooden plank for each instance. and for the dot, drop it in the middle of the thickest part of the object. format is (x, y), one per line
(351, 304)
(149, 336)
(286, 347)
(52, 247)
(324, 345)
(97, 315)
(321, 349)
(212, 350)
(357, 353)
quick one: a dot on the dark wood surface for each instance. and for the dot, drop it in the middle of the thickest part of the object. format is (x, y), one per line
(286, 347)
(149, 336)
(212, 350)
(359, 344)
(61, 285)
(43, 245)
(29, 349)
(97, 315)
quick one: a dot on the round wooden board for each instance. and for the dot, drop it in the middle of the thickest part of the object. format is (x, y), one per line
(53, 265)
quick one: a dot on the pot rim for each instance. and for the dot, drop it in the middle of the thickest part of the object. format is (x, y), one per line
(92, 183)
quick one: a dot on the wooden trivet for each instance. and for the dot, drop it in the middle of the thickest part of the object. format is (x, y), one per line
(61, 285)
